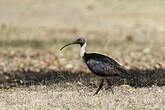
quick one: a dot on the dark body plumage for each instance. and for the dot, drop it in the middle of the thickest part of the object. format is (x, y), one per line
(104, 66)
(99, 64)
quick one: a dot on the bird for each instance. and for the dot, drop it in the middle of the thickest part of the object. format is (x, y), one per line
(99, 64)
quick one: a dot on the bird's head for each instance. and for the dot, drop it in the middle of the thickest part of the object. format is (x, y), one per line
(80, 41)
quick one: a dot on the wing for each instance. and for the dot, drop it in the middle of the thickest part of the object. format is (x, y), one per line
(104, 66)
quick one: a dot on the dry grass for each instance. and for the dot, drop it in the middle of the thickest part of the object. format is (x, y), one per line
(34, 74)
(72, 97)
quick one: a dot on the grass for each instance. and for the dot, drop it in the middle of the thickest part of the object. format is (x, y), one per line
(43, 97)
(34, 74)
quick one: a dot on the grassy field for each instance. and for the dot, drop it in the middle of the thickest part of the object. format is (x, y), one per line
(36, 75)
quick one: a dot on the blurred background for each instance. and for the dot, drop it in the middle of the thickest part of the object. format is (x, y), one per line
(33, 31)
(36, 75)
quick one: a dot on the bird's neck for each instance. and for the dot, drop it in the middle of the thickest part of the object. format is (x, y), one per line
(82, 50)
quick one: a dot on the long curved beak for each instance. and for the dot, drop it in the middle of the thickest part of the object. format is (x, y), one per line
(74, 42)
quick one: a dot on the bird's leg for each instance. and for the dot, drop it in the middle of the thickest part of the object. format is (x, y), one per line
(101, 85)
(110, 86)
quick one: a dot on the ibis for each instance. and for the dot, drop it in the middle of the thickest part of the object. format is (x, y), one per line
(100, 65)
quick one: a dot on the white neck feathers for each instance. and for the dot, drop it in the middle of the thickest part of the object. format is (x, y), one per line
(82, 50)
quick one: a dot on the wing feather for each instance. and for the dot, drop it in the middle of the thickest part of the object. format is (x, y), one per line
(104, 66)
